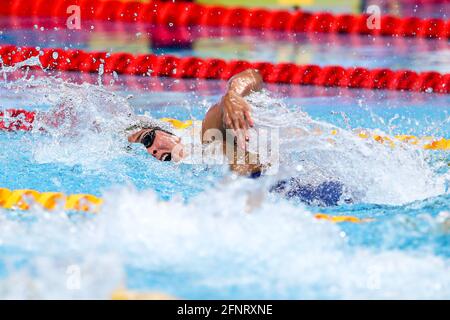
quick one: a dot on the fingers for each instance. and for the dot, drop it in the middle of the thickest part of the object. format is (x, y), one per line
(237, 116)
(241, 138)
(238, 121)
(246, 112)
(248, 117)
(227, 121)
(243, 123)
(243, 132)
(236, 125)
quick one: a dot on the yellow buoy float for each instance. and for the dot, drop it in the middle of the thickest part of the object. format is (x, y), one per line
(24, 199)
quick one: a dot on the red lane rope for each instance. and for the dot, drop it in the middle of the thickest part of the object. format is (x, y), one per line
(165, 36)
(16, 120)
(193, 67)
(189, 14)
(155, 84)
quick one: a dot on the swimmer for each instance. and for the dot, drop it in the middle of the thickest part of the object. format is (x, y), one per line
(230, 120)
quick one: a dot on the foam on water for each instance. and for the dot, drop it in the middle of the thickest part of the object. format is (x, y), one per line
(84, 124)
(371, 172)
(219, 243)
(275, 245)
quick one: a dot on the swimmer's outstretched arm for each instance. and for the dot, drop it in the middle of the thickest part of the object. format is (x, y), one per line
(232, 111)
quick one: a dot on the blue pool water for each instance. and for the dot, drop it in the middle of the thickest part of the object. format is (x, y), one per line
(193, 231)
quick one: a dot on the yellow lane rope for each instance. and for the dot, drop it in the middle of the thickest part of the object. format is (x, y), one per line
(125, 294)
(428, 143)
(339, 219)
(24, 199)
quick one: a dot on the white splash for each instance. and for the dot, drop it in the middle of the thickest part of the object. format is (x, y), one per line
(371, 172)
(270, 249)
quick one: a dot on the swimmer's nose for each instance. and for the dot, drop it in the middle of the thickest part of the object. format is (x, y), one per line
(154, 152)
(158, 154)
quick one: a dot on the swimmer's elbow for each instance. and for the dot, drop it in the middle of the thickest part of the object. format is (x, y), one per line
(256, 75)
(246, 81)
(257, 79)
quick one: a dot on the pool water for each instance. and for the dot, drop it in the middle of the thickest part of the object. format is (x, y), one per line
(195, 231)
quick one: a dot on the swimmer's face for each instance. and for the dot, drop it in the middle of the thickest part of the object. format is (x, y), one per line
(162, 145)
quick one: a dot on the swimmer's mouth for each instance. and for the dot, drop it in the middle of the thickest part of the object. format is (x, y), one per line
(166, 157)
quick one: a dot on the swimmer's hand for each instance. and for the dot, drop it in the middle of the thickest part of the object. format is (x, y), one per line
(237, 115)
(233, 112)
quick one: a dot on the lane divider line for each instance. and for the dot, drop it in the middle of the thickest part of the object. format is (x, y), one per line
(176, 14)
(199, 68)
(24, 199)
(22, 120)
